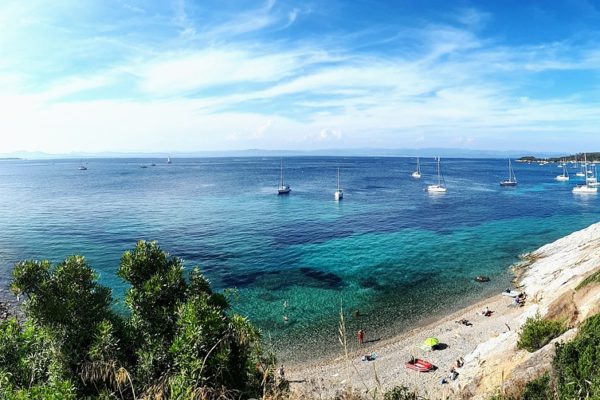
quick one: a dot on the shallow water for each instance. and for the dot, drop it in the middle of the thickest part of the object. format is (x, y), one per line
(389, 249)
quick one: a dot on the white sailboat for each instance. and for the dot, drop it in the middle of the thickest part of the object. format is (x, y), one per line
(565, 175)
(283, 188)
(593, 179)
(339, 193)
(583, 166)
(168, 160)
(441, 185)
(587, 188)
(417, 173)
(512, 179)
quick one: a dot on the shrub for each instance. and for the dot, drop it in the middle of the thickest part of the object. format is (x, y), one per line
(538, 332)
(538, 389)
(594, 278)
(576, 363)
(401, 393)
(178, 338)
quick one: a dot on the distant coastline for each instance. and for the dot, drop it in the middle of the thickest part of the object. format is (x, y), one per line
(591, 157)
(350, 152)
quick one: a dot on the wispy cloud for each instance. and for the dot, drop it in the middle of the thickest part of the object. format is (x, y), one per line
(248, 78)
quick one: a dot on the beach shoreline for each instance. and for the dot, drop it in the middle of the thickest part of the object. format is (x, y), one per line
(423, 325)
(548, 275)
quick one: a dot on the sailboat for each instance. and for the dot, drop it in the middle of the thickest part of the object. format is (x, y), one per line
(417, 173)
(565, 175)
(587, 188)
(168, 160)
(339, 193)
(283, 188)
(82, 167)
(441, 185)
(593, 180)
(512, 179)
(583, 165)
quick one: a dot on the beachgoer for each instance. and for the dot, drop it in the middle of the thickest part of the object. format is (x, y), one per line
(281, 372)
(453, 374)
(361, 336)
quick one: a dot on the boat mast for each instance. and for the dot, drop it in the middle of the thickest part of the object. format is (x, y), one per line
(418, 166)
(338, 181)
(439, 174)
(585, 168)
(514, 177)
(281, 179)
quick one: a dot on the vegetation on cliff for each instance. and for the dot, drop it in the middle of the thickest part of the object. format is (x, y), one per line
(538, 332)
(177, 338)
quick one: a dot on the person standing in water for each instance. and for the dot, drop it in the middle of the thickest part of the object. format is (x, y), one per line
(361, 336)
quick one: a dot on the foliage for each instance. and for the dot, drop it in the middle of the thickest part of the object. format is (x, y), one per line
(538, 332)
(401, 393)
(65, 300)
(576, 363)
(177, 340)
(538, 389)
(593, 278)
(61, 390)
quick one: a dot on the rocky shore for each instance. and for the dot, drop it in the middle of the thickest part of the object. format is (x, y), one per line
(549, 276)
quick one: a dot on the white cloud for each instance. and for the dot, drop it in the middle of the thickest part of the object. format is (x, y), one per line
(453, 87)
(184, 73)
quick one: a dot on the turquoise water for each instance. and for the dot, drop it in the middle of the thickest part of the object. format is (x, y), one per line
(389, 249)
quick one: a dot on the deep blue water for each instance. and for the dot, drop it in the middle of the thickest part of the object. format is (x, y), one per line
(389, 249)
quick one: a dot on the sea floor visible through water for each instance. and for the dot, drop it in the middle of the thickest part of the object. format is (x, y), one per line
(389, 254)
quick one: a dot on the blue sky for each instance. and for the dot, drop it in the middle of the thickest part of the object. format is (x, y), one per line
(183, 75)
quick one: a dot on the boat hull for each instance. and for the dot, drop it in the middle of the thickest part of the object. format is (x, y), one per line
(419, 365)
(585, 190)
(436, 189)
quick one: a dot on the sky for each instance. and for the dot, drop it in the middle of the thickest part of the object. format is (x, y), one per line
(202, 75)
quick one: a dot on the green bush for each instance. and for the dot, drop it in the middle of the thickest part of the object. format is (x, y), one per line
(538, 389)
(401, 393)
(576, 363)
(178, 339)
(538, 332)
(594, 278)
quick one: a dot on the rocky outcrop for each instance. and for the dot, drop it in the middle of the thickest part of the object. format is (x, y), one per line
(550, 278)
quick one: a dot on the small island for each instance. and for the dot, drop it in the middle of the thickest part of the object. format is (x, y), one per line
(591, 157)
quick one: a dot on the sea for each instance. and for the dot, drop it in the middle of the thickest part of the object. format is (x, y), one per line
(387, 258)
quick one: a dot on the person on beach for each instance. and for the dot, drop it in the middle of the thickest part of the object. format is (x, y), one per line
(361, 336)
(453, 374)
(459, 362)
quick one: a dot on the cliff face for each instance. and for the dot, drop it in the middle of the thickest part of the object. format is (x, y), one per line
(550, 278)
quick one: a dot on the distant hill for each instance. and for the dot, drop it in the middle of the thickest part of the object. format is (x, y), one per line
(591, 157)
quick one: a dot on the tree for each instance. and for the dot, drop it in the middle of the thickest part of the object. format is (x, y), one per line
(178, 338)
